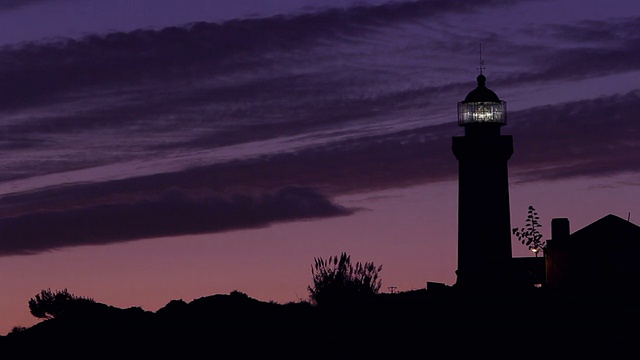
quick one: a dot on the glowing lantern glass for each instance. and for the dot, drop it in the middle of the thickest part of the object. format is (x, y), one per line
(482, 106)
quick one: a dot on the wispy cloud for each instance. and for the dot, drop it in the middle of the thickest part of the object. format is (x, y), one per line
(584, 138)
(267, 119)
(15, 4)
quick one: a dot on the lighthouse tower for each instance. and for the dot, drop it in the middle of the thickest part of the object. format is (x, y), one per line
(484, 225)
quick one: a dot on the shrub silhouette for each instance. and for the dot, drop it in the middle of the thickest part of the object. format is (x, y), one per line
(49, 304)
(336, 281)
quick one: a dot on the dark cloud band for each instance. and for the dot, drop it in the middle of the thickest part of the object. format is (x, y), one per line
(173, 213)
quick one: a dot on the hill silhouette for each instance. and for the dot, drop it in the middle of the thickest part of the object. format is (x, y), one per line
(401, 324)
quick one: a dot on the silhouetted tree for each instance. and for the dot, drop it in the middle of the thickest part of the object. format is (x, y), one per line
(337, 281)
(529, 234)
(49, 304)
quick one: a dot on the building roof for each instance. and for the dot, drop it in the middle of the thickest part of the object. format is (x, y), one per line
(611, 228)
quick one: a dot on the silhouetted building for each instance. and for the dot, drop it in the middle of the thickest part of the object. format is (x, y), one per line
(603, 254)
(528, 271)
(484, 225)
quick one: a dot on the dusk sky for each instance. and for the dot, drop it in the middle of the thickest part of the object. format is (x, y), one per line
(154, 150)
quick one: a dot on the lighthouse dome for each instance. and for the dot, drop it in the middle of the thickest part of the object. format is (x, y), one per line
(481, 93)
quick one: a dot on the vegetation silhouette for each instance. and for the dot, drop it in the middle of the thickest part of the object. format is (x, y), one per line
(49, 304)
(439, 320)
(529, 234)
(338, 282)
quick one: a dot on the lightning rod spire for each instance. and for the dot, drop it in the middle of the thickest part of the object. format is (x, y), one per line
(481, 61)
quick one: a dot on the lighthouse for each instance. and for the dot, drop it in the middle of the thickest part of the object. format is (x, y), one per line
(484, 225)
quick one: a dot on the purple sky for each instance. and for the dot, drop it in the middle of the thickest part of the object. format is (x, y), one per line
(204, 148)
